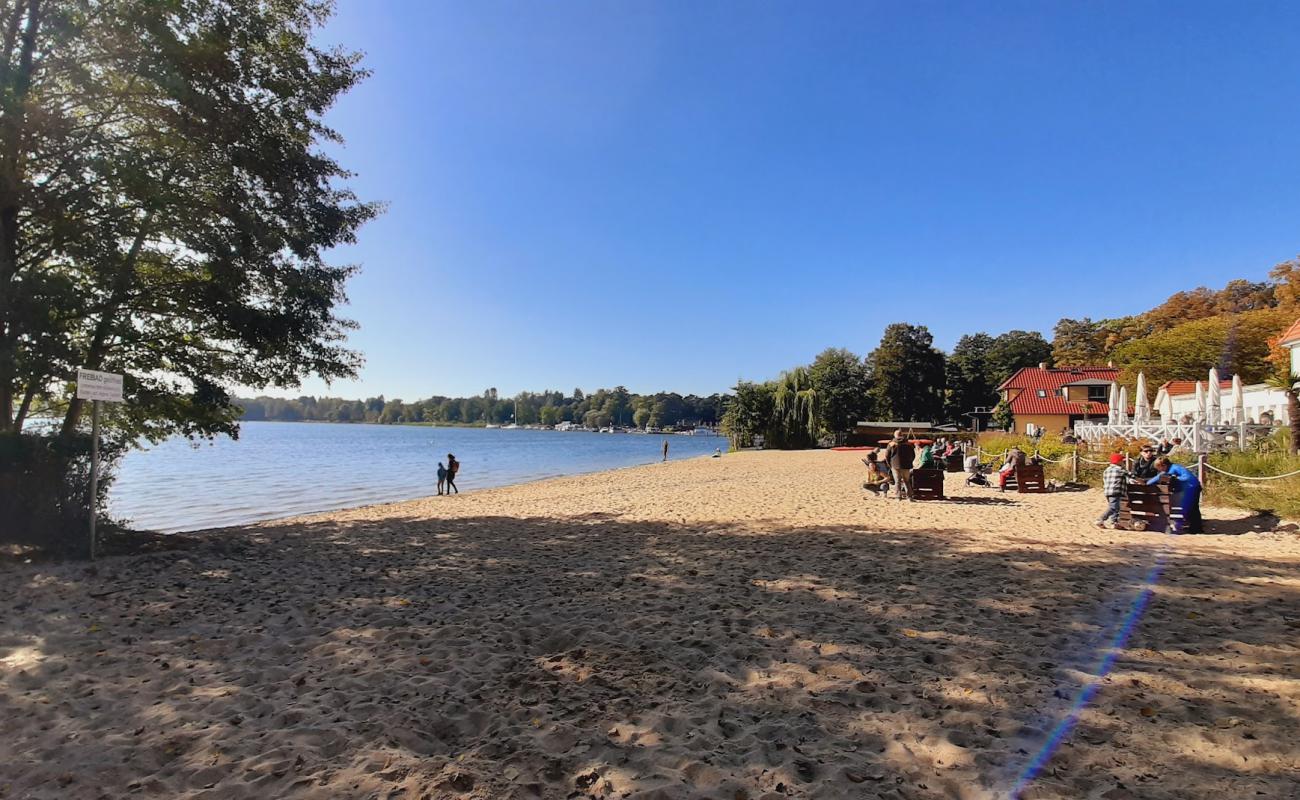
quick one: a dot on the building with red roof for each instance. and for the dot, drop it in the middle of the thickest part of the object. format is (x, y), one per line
(1290, 338)
(1054, 398)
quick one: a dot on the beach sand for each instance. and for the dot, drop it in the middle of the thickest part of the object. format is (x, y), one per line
(755, 626)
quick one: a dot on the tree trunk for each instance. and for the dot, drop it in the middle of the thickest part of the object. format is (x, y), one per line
(1293, 412)
(15, 87)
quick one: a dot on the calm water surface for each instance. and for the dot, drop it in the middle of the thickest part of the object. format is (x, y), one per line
(279, 469)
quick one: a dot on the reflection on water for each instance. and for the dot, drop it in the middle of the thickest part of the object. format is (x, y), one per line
(278, 469)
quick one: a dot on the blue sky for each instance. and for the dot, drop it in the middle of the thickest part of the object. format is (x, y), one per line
(675, 195)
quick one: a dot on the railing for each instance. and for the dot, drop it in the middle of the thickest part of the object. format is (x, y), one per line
(1198, 437)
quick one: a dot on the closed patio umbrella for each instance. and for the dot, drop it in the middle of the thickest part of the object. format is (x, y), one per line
(1167, 410)
(1214, 399)
(1122, 412)
(1142, 406)
(1200, 402)
(1113, 417)
(1238, 401)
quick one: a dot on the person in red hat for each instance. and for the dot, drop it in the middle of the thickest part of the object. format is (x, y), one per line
(1112, 484)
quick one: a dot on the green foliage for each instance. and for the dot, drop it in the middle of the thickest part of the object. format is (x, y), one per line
(907, 375)
(663, 409)
(839, 379)
(45, 490)
(1012, 351)
(1002, 416)
(1079, 343)
(1281, 497)
(750, 413)
(967, 371)
(166, 206)
(1235, 344)
(796, 410)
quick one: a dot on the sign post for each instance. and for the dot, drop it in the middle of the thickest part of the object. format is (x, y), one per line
(96, 386)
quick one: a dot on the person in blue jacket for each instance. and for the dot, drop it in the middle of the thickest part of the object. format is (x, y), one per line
(1186, 491)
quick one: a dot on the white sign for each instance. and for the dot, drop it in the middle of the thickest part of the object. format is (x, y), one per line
(92, 385)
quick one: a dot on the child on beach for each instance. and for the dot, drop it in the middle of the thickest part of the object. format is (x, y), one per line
(1112, 482)
(442, 477)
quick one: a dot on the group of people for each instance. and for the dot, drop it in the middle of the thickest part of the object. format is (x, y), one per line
(893, 466)
(1151, 467)
(447, 475)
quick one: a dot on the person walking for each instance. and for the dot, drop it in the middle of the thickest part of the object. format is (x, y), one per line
(1185, 491)
(900, 455)
(1112, 485)
(453, 467)
(442, 477)
(665, 448)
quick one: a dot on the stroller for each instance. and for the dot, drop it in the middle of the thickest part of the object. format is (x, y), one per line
(976, 473)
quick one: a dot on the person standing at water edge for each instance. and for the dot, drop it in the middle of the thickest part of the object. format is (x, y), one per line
(901, 455)
(442, 477)
(1186, 491)
(665, 449)
(453, 467)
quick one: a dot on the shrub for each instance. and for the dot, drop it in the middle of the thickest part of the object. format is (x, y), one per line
(45, 489)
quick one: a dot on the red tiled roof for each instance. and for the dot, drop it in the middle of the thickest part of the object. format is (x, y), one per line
(1031, 379)
(1180, 388)
(1029, 403)
(1056, 377)
(1291, 334)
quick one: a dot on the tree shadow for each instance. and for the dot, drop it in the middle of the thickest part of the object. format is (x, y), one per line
(590, 656)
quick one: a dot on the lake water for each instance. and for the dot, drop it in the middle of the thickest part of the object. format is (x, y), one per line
(279, 469)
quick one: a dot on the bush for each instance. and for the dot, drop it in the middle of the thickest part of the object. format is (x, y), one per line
(1280, 497)
(45, 488)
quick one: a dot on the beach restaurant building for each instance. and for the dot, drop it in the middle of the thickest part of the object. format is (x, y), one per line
(1263, 405)
(1053, 399)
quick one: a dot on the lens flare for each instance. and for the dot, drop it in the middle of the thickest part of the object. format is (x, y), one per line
(1092, 685)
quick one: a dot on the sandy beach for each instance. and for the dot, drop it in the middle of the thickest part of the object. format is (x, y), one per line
(755, 626)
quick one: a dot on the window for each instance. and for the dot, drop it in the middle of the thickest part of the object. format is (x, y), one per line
(1098, 394)
(1042, 393)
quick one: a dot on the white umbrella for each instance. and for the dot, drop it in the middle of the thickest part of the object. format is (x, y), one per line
(1142, 409)
(1238, 401)
(1214, 398)
(1167, 410)
(1113, 417)
(1200, 402)
(1122, 412)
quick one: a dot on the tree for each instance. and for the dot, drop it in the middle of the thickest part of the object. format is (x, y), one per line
(166, 204)
(1286, 279)
(749, 414)
(967, 371)
(796, 408)
(1289, 385)
(1016, 350)
(1234, 343)
(551, 415)
(907, 375)
(840, 380)
(1078, 343)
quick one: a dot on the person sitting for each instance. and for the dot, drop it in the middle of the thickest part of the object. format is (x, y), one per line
(878, 476)
(927, 457)
(1015, 458)
(1144, 468)
(1185, 490)
(1164, 448)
